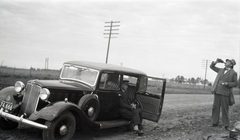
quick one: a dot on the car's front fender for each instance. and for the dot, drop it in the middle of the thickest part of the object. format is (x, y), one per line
(9, 94)
(53, 110)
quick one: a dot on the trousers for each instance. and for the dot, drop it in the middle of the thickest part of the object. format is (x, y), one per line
(220, 102)
(132, 115)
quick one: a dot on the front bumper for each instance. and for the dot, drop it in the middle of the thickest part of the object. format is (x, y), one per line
(21, 120)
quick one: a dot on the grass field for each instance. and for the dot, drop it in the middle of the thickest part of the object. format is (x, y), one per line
(176, 88)
(8, 76)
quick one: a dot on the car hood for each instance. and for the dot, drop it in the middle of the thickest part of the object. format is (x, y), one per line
(62, 84)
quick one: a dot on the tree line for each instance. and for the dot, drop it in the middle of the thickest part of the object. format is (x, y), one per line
(194, 81)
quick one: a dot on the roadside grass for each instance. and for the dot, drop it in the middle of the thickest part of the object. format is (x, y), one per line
(176, 88)
(9, 79)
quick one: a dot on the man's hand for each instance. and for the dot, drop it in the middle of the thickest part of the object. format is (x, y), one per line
(225, 83)
(219, 60)
(216, 61)
(133, 106)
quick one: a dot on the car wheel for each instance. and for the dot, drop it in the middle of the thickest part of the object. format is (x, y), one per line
(90, 106)
(61, 128)
(6, 124)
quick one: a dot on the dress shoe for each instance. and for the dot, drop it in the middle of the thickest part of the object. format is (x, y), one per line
(214, 125)
(138, 132)
(226, 128)
(140, 127)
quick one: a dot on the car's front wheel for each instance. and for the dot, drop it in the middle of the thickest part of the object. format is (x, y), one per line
(61, 128)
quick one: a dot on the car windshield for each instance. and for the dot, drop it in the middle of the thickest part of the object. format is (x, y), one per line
(79, 73)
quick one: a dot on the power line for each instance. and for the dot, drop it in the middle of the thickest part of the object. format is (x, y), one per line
(112, 28)
(205, 64)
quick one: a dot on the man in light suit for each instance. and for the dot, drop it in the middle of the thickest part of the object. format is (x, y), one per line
(226, 79)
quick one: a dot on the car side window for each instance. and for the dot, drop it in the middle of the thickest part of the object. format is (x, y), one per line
(130, 92)
(132, 80)
(110, 81)
(143, 84)
(155, 85)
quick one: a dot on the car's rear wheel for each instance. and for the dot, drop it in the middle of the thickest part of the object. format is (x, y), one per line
(6, 124)
(90, 106)
(62, 128)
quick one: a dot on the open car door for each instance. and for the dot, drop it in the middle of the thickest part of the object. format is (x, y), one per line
(152, 98)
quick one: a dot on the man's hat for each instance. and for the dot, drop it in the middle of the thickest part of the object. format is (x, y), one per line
(232, 61)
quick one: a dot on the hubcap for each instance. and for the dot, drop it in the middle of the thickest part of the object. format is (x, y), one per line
(63, 130)
(90, 111)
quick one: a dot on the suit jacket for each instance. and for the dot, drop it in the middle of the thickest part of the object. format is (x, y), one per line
(128, 97)
(230, 77)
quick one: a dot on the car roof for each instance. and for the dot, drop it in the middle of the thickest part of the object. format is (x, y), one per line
(103, 66)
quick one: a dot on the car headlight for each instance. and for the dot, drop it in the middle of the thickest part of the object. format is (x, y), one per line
(19, 86)
(44, 94)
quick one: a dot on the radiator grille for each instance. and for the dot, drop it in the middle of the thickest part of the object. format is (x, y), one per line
(30, 99)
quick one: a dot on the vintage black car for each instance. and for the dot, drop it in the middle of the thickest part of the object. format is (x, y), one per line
(86, 96)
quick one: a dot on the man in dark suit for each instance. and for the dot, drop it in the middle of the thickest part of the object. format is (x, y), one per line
(226, 79)
(128, 107)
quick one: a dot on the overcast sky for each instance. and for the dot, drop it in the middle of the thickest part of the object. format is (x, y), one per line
(163, 38)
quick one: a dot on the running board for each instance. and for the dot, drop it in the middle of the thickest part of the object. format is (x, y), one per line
(112, 123)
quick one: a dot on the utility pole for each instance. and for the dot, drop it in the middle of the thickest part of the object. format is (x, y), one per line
(2, 63)
(205, 64)
(46, 63)
(111, 29)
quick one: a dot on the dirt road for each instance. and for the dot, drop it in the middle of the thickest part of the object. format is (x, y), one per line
(184, 116)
